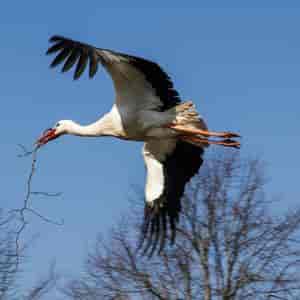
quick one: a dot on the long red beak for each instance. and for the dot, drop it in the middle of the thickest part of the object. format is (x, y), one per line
(48, 135)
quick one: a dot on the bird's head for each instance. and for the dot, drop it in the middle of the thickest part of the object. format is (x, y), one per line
(60, 128)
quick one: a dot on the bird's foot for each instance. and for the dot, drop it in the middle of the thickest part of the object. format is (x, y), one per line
(227, 135)
(199, 141)
(230, 143)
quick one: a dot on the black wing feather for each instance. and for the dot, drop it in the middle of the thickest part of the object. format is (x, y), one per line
(81, 65)
(76, 52)
(159, 80)
(56, 38)
(179, 167)
(61, 57)
(93, 64)
(71, 60)
(60, 45)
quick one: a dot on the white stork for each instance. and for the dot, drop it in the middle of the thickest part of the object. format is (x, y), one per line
(147, 108)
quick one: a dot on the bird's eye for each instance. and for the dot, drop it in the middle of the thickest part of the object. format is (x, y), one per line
(57, 124)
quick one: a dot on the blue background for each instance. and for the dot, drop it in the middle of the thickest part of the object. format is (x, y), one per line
(238, 62)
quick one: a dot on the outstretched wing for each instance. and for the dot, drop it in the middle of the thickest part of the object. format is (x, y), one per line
(170, 165)
(134, 78)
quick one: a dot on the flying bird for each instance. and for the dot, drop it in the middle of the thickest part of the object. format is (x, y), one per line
(147, 108)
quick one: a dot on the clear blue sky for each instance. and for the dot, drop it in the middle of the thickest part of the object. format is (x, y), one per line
(239, 64)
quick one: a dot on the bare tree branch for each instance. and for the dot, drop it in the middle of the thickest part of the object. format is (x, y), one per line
(26, 204)
(44, 285)
(228, 246)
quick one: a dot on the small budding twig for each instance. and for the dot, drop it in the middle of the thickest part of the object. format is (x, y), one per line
(26, 204)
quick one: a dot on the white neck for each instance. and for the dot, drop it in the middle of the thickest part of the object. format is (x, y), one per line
(102, 127)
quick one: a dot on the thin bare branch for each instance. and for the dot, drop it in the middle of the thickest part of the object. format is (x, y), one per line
(21, 212)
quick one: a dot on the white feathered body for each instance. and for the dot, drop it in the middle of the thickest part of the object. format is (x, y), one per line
(146, 104)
